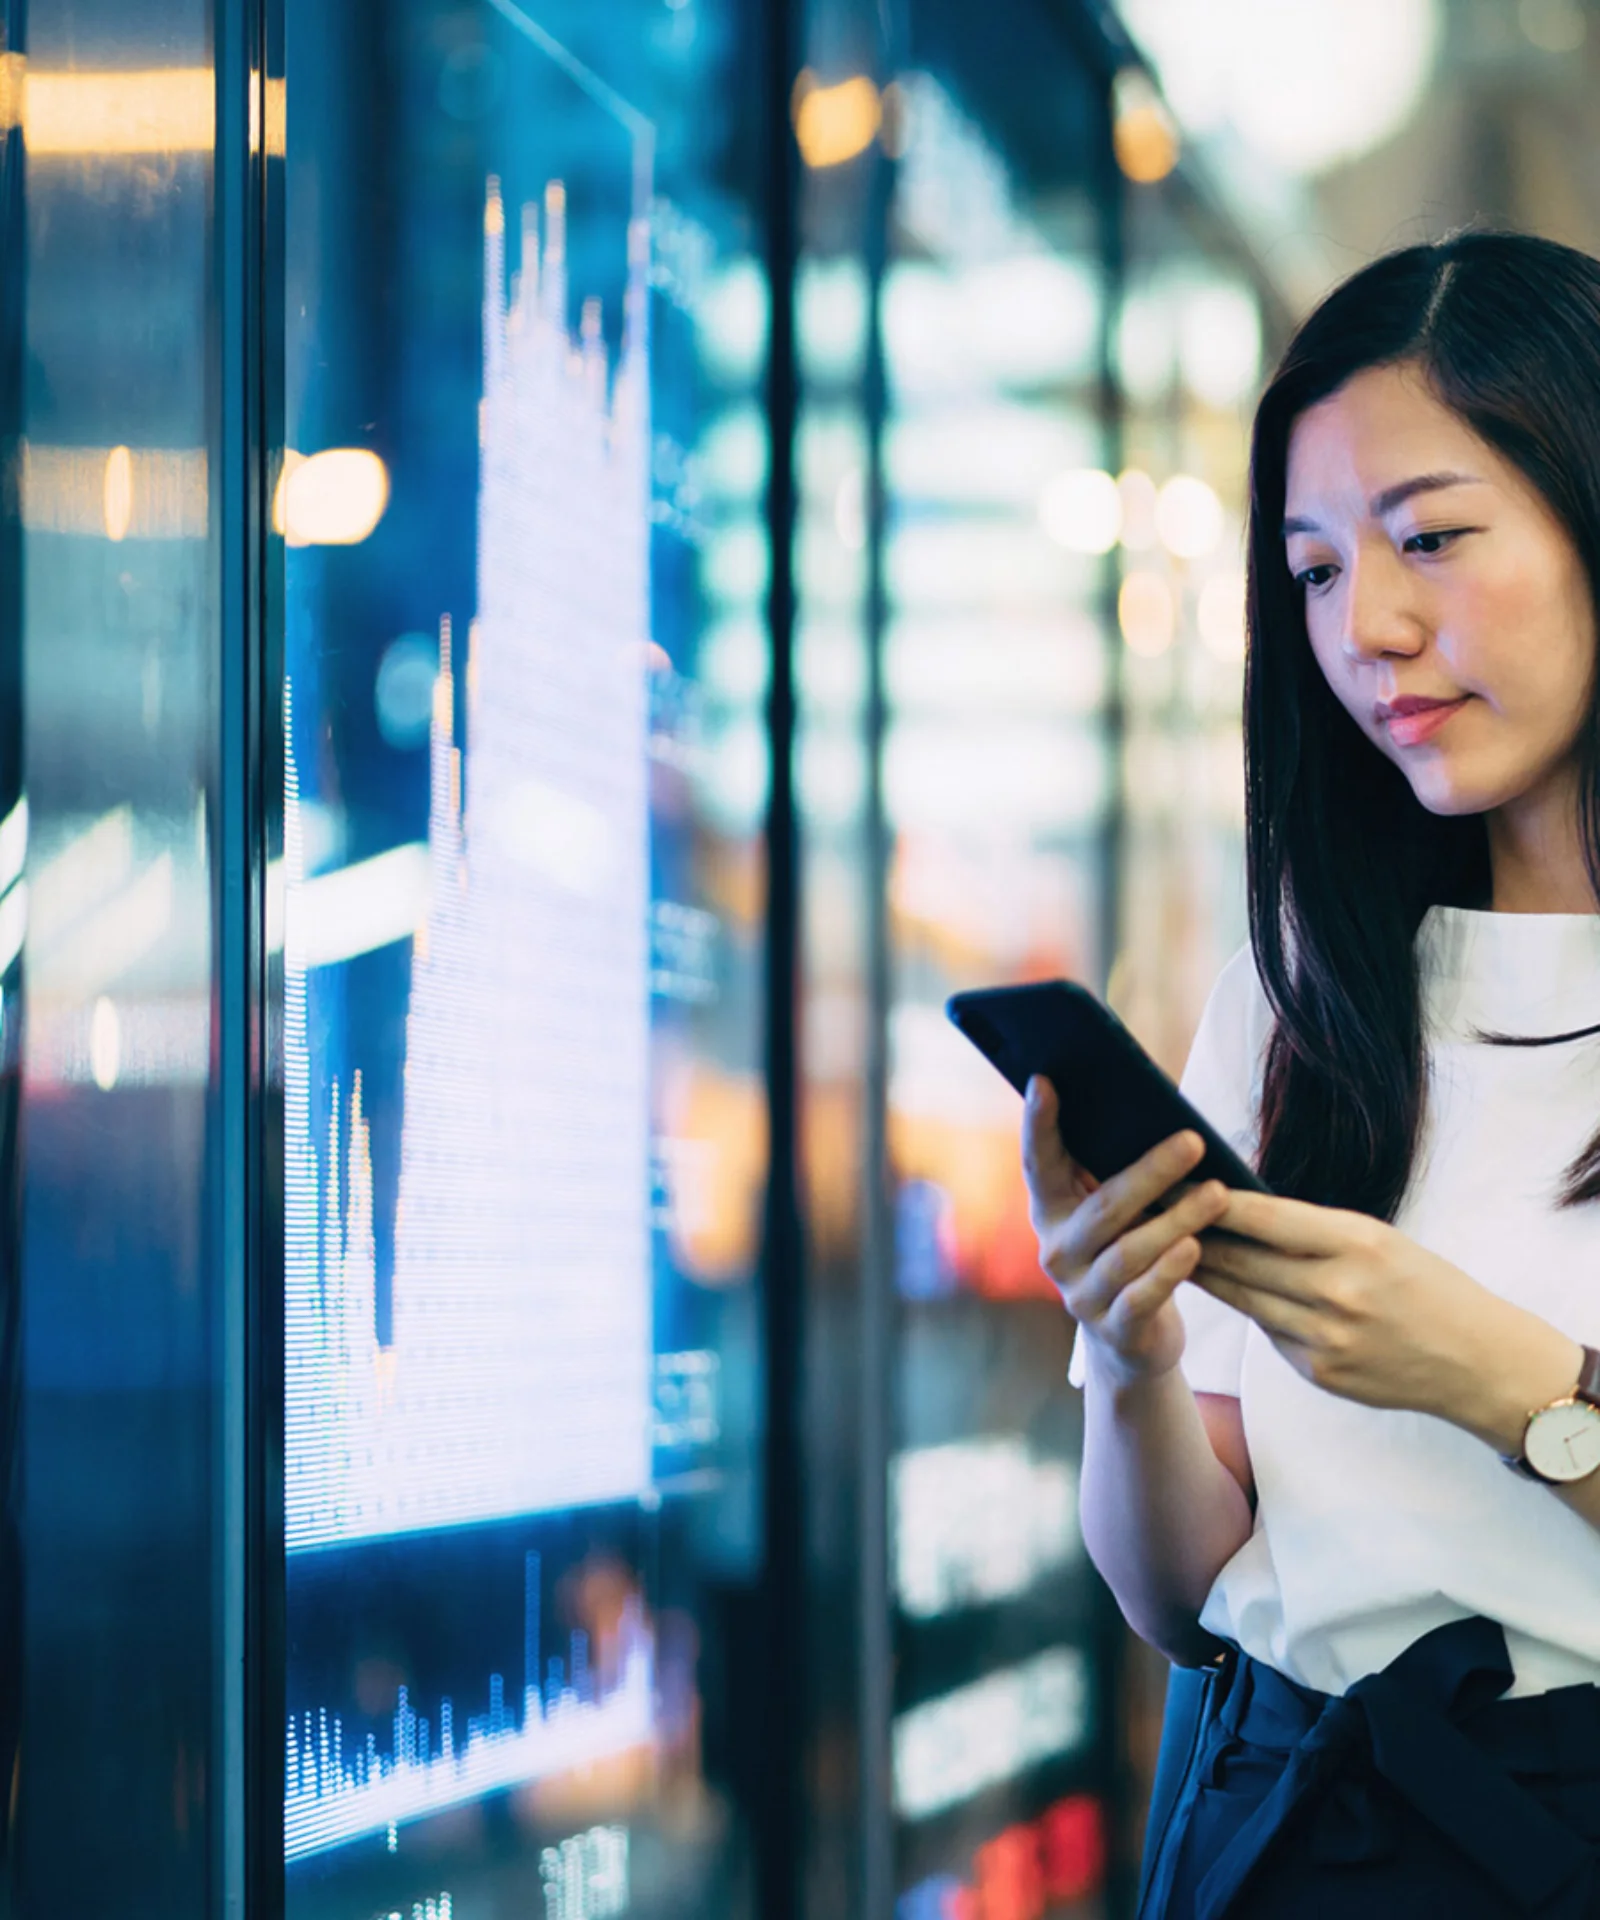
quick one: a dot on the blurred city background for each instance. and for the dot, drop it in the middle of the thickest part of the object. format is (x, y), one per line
(747, 498)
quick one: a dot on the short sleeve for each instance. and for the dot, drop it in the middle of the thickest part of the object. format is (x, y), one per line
(1222, 1079)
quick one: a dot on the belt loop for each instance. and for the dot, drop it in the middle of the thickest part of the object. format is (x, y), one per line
(1234, 1690)
(1572, 1733)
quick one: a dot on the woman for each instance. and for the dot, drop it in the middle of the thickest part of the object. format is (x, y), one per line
(1348, 1437)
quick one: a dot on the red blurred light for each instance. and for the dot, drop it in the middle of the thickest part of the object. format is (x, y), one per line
(962, 1904)
(1010, 1876)
(1025, 1869)
(1072, 1846)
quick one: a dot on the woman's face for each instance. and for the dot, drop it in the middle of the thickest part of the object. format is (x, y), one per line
(1444, 601)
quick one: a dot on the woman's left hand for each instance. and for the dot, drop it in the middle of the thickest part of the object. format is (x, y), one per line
(1360, 1309)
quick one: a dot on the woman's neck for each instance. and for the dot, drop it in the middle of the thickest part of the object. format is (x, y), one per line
(1536, 861)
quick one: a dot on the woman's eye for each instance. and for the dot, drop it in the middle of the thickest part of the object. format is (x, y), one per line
(1317, 576)
(1431, 543)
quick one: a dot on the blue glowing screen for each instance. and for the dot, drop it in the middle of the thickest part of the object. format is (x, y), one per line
(519, 947)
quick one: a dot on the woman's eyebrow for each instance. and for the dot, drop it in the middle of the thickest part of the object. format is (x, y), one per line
(1392, 497)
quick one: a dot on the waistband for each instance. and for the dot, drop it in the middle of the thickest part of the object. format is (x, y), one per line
(1432, 1724)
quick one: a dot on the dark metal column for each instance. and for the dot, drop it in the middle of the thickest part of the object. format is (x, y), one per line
(877, 1296)
(246, 1183)
(13, 252)
(779, 1870)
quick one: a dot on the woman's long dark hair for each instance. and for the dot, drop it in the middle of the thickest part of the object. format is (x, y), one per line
(1343, 860)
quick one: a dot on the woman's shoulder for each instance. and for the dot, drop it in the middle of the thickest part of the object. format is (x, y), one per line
(1225, 1062)
(1237, 1013)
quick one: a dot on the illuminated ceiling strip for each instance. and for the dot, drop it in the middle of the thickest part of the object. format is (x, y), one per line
(162, 111)
(13, 72)
(112, 940)
(13, 924)
(159, 1042)
(86, 871)
(13, 843)
(354, 909)
(116, 493)
(277, 113)
(159, 110)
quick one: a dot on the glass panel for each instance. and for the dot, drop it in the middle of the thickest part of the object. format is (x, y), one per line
(1190, 340)
(522, 898)
(1189, 344)
(122, 1781)
(997, 765)
(835, 111)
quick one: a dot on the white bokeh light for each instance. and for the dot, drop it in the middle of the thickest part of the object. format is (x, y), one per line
(1146, 344)
(1081, 510)
(1138, 493)
(1219, 342)
(1189, 517)
(1146, 614)
(1219, 614)
(1306, 86)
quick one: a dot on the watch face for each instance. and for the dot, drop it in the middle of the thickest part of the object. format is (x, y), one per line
(1563, 1442)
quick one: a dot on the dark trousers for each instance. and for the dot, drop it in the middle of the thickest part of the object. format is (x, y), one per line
(1418, 1793)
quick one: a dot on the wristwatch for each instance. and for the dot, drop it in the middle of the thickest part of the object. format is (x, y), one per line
(1561, 1442)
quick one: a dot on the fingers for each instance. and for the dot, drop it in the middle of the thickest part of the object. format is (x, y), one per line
(1275, 1314)
(1120, 1202)
(1290, 1226)
(1052, 1173)
(1292, 1275)
(1141, 1299)
(1137, 1252)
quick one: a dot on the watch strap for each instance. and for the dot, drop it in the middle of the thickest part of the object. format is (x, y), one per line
(1587, 1389)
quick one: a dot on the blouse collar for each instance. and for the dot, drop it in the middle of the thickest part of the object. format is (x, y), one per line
(1518, 973)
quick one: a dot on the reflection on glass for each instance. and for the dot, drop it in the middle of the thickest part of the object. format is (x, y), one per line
(997, 767)
(521, 901)
(1189, 341)
(106, 877)
(996, 760)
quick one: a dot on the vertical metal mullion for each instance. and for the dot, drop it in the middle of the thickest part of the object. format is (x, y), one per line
(246, 1813)
(877, 1305)
(1111, 217)
(1111, 238)
(781, 1844)
(224, 811)
(13, 265)
(264, 1622)
(265, 1641)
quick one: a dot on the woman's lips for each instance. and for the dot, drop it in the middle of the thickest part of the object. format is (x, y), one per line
(1410, 722)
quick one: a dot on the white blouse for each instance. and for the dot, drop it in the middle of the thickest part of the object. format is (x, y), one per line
(1374, 1526)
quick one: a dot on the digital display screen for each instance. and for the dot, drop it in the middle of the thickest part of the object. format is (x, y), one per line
(519, 944)
(514, 1373)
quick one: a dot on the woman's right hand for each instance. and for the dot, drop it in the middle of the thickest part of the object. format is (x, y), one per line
(1116, 1262)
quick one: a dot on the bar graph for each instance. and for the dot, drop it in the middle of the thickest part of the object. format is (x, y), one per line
(340, 1788)
(517, 1372)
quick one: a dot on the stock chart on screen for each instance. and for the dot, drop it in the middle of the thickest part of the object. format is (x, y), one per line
(520, 1033)
(566, 1716)
(517, 1374)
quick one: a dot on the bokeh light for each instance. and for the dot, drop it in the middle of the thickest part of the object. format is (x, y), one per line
(1081, 510)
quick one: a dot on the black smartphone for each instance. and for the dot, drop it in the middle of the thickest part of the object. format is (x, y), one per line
(1116, 1103)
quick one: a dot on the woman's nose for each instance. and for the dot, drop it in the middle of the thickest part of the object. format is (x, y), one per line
(1380, 615)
